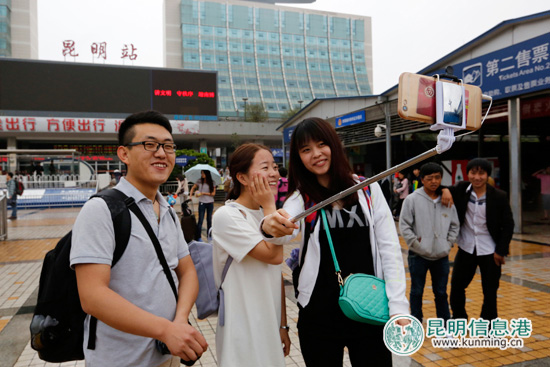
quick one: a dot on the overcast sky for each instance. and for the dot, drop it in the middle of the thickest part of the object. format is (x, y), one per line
(407, 35)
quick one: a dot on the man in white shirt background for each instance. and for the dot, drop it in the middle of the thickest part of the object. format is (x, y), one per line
(486, 229)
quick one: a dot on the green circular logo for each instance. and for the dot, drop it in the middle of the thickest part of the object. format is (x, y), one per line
(405, 337)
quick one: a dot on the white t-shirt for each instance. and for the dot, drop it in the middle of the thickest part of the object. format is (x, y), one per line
(205, 189)
(474, 233)
(252, 290)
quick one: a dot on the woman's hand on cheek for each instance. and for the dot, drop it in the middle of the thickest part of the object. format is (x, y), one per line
(261, 193)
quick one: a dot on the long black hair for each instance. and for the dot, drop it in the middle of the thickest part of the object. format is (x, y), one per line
(340, 173)
(208, 180)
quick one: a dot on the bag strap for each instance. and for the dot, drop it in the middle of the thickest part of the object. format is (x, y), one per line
(230, 258)
(226, 268)
(329, 238)
(117, 202)
(370, 205)
(158, 249)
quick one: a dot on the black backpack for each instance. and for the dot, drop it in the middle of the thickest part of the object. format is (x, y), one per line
(57, 327)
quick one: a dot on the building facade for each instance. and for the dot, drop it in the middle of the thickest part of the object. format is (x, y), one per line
(5, 28)
(18, 29)
(279, 57)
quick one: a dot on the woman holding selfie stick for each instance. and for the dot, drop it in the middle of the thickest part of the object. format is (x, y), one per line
(365, 241)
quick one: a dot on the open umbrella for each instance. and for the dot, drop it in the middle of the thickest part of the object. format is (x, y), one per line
(193, 174)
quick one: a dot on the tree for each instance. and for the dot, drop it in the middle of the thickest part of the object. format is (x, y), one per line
(255, 112)
(235, 141)
(289, 113)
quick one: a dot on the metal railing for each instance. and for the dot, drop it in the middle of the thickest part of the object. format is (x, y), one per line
(64, 198)
(48, 191)
(3, 217)
(56, 181)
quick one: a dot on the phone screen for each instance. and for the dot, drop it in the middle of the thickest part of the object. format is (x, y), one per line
(453, 104)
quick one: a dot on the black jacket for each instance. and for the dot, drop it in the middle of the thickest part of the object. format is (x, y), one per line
(500, 221)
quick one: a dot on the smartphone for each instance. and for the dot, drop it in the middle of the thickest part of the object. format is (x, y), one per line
(450, 105)
(417, 94)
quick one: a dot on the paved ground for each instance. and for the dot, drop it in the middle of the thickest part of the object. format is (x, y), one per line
(524, 292)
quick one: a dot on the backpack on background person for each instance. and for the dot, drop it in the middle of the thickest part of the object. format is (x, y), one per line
(282, 191)
(19, 187)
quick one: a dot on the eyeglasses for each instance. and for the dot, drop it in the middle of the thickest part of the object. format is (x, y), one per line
(153, 146)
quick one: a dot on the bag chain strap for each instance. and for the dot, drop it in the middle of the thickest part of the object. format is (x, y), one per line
(336, 266)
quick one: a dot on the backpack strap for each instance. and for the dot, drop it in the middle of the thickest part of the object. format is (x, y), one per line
(117, 202)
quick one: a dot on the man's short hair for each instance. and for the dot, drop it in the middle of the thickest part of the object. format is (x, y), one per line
(430, 168)
(10, 174)
(126, 131)
(480, 163)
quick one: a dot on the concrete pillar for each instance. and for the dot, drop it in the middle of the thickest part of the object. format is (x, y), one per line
(203, 147)
(12, 158)
(514, 133)
(388, 135)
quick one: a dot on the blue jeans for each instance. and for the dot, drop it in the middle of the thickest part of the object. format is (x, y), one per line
(13, 204)
(439, 271)
(209, 207)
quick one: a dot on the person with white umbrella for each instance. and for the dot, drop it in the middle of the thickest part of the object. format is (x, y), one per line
(205, 190)
(194, 173)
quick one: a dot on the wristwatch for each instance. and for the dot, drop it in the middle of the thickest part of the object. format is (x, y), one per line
(266, 235)
(285, 327)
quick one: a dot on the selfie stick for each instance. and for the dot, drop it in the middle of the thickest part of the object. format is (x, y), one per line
(381, 175)
(445, 140)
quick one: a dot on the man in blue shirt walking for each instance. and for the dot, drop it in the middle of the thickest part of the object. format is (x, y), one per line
(12, 194)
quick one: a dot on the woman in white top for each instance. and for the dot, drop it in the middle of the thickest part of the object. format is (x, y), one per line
(255, 332)
(182, 191)
(205, 191)
(365, 241)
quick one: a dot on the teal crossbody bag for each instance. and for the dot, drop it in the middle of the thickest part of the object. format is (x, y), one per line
(362, 296)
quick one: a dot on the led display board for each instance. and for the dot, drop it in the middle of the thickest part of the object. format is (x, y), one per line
(41, 86)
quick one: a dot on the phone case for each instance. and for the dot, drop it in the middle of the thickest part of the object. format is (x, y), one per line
(416, 100)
